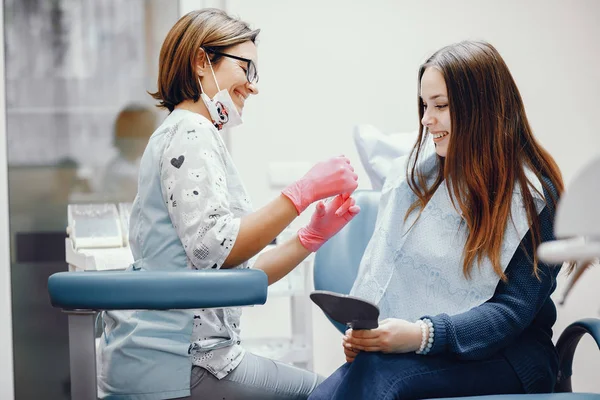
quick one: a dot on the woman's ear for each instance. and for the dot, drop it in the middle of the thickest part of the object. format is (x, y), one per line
(200, 62)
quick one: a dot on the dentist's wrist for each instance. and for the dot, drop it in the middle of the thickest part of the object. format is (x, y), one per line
(310, 239)
(294, 193)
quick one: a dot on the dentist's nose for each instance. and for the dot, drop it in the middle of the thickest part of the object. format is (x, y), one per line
(253, 88)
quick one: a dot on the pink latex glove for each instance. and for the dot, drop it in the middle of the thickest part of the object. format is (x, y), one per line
(323, 180)
(328, 219)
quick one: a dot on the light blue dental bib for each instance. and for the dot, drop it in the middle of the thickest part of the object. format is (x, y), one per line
(415, 270)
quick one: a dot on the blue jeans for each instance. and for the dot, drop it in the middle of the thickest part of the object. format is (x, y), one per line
(256, 378)
(378, 376)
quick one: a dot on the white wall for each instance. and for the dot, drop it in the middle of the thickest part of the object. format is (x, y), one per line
(6, 353)
(328, 65)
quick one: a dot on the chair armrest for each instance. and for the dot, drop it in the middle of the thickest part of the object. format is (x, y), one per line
(161, 290)
(566, 345)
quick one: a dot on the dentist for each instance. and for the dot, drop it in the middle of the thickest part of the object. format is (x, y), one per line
(193, 212)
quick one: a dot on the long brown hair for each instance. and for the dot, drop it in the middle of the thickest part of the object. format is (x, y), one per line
(490, 146)
(209, 28)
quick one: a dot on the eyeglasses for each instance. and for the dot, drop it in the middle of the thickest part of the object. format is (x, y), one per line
(251, 73)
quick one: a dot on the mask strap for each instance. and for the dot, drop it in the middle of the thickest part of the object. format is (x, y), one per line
(213, 73)
(199, 83)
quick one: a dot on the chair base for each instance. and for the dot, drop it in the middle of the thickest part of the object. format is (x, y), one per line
(82, 354)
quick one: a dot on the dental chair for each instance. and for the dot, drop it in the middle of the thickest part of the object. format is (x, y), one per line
(577, 218)
(82, 294)
(98, 245)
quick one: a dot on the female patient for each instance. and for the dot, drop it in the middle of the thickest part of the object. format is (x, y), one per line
(452, 264)
(193, 212)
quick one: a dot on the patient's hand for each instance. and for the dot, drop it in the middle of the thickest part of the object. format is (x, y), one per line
(392, 336)
(349, 351)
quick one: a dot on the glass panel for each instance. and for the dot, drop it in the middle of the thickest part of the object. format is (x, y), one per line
(78, 119)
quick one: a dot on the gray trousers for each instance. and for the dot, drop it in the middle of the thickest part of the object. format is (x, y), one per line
(256, 378)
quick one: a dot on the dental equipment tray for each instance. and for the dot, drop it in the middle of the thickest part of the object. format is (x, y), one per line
(98, 237)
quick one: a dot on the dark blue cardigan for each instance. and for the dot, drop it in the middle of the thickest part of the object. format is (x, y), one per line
(517, 321)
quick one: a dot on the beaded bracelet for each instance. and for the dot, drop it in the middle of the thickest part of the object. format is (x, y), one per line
(427, 333)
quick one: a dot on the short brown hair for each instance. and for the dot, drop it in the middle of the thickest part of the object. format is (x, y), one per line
(209, 28)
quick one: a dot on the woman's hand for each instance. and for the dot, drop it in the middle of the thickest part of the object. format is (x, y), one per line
(325, 179)
(349, 352)
(392, 336)
(327, 220)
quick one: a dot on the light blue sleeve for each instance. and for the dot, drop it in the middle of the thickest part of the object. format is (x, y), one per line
(194, 184)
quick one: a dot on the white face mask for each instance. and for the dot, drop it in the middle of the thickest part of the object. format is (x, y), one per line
(221, 108)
